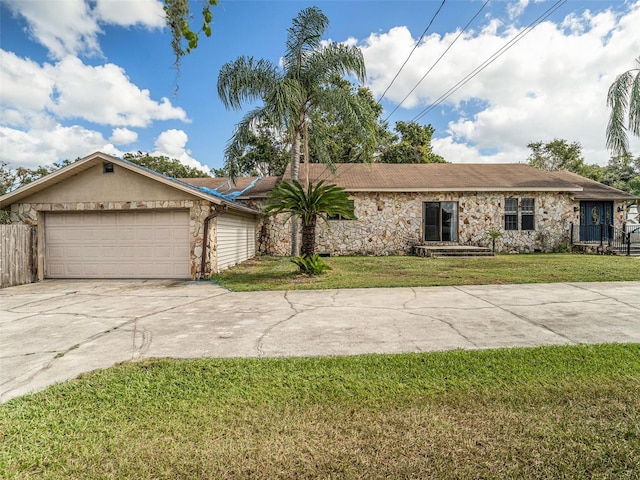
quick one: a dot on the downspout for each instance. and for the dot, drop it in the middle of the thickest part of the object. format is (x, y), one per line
(205, 239)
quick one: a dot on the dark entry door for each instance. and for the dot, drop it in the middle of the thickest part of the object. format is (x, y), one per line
(595, 218)
(441, 221)
(432, 222)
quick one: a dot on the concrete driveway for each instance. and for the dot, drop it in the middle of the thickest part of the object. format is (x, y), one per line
(54, 330)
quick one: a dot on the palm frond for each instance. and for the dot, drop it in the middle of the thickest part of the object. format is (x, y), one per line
(624, 99)
(304, 36)
(291, 198)
(283, 101)
(618, 100)
(242, 136)
(634, 106)
(246, 79)
(334, 59)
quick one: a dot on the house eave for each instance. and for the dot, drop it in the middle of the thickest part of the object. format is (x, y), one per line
(523, 188)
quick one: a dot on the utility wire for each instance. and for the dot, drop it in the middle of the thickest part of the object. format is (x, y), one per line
(414, 49)
(490, 60)
(438, 60)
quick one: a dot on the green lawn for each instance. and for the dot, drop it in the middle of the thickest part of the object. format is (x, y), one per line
(548, 412)
(271, 273)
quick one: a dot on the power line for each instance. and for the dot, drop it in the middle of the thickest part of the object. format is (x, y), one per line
(490, 60)
(438, 60)
(414, 49)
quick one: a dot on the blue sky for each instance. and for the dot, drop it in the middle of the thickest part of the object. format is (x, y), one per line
(78, 77)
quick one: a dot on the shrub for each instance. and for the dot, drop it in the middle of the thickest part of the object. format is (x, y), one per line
(311, 264)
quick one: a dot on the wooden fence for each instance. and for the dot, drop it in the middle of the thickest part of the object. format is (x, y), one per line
(18, 255)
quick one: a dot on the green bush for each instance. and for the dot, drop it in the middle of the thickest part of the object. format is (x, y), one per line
(311, 264)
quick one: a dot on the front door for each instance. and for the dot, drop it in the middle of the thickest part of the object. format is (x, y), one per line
(595, 218)
(440, 221)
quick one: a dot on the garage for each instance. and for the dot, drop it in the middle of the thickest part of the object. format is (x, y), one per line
(236, 240)
(117, 244)
(103, 217)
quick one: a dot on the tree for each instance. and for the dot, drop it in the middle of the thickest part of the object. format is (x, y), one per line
(164, 165)
(624, 99)
(293, 94)
(7, 178)
(10, 179)
(560, 155)
(178, 18)
(315, 201)
(623, 173)
(413, 146)
(331, 138)
(263, 155)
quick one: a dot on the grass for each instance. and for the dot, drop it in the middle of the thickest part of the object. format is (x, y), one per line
(548, 412)
(276, 273)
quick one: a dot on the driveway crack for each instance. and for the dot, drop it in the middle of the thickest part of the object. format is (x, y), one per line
(521, 317)
(260, 342)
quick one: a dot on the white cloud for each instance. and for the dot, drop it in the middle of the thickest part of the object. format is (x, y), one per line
(105, 95)
(35, 99)
(515, 9)
(72, 27)
(173, 144)
(102, 94)
(552, 84)
(25, 84)
(123, 136)
(147, 13)
(37, 147)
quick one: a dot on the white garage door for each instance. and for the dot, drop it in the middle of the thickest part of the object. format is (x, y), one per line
(236, 239)
(124, 244)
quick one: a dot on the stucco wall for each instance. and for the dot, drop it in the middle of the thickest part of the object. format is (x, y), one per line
(92, 185)
(392, 223)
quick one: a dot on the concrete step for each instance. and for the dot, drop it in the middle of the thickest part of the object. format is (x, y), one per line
(634, 251)
(453, 251)
(463, 255)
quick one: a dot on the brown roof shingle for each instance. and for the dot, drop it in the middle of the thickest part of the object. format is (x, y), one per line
(592, 190)
(458, 177)
(437, 177)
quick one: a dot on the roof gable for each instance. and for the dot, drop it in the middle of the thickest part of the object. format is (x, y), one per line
(98, 158)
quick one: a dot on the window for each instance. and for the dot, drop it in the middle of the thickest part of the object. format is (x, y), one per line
(510, 213)
(337, 217)
(340, 217)
(527, 214)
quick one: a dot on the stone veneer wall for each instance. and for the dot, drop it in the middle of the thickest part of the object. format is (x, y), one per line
(391, 224)
(28, 213)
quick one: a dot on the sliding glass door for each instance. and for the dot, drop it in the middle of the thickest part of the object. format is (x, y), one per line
(440, 221)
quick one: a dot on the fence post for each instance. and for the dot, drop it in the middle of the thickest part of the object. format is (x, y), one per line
(601, 234)
(571, 234)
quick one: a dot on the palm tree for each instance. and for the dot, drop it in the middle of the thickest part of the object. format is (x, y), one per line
(295, 92)
(624, 100)
(315, 201)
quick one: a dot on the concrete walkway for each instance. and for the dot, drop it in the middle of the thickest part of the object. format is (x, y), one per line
(54, 330)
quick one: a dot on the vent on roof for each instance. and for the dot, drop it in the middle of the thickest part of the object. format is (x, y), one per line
(107, 167)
